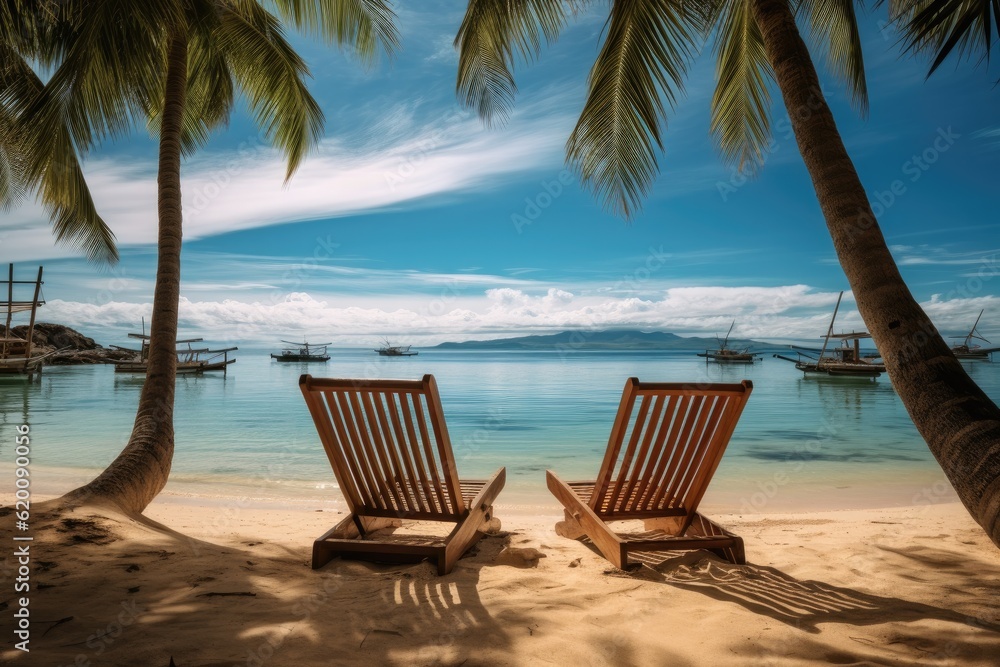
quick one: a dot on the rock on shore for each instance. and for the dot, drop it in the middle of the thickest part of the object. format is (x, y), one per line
(70, 346)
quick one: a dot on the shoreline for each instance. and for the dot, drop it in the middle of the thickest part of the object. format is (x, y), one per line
(753, 496)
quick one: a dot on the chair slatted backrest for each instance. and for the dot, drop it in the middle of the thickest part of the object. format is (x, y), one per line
(665, 445)
(388, 445)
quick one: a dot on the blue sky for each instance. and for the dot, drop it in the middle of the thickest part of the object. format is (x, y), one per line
(414, 221)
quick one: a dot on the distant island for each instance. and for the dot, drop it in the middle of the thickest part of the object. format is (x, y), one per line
(618, 339)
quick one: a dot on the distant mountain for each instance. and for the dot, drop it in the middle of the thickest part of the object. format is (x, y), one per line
(600, 340)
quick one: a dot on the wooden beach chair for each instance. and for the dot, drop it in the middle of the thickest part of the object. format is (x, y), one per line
(665, 445)
(389, 448)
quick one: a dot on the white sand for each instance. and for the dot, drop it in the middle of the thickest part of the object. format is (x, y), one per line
(233, 586)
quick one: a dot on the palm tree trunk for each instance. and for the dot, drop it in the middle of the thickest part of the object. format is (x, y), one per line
(960, 424)
(141, 469)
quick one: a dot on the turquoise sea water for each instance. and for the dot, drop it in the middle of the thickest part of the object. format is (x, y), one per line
(803, 442)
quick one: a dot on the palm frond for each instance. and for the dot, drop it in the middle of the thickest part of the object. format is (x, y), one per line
(741, 103)
(271, 75)
(970, 28)
(368, 26)
(12, 150)
(42, 159)
(833, 25)
(210, 93)
(643, 61)
(65, 195)
(493, 34)
(12, 181)
(111, 58)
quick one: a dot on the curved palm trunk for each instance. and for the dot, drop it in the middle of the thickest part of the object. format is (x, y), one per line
(960, 424)
(140, 471)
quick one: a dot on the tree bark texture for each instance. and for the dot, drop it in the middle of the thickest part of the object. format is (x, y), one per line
(140, 471)
(959, 423)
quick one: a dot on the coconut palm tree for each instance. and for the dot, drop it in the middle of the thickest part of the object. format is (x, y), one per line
(179, 64)
(639, 71)
(53, 173)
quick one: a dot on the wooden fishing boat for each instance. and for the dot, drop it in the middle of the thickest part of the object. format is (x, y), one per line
(389, 350)
(969, 350)
(844, 360)
(726, 355)
(190, 360)
(303, 352)
(16, 354)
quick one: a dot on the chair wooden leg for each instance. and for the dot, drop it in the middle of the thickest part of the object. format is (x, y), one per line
(471, 529)
(703, 526)
(609, 544)
(735, 554)
(569, 527)
(322, 553)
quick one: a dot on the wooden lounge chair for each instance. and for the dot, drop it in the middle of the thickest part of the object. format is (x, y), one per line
(389, 448)
(665, 445)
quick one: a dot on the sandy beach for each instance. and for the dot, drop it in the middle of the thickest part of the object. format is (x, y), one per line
(231, 585)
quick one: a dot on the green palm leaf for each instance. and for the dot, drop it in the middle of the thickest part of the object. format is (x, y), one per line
(271, 75)
(101, 89)
(366, 25)
(65, 194)
(210, 92)
(42, 159)
(741, 103)
(12, 181)
(644, 59)
(493, 35)
(833, 25)
(942, 26)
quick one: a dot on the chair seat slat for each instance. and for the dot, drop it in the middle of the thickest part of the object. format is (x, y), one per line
(661, 460)
(391, 466)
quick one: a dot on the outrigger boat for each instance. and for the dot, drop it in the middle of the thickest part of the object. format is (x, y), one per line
(726, 355)
(388, 350)
(303, 352)
(16, 357)
(190, 360)
(846, 360)
(969, 350)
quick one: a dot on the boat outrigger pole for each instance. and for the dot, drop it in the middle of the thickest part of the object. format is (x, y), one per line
(10, 311)
(31, 322)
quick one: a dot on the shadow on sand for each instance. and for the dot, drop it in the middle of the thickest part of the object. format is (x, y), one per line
(99, 599)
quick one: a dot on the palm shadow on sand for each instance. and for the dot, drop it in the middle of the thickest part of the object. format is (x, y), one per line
(116, 601)
(808, 604)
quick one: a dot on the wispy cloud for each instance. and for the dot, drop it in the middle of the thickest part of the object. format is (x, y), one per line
(990, 136)
(937, 256)
(240, 189)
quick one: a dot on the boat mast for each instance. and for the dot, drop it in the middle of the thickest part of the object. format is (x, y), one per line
(972, 332)
(829, 331)
(726, 340)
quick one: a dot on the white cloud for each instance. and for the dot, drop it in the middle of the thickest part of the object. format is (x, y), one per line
(244, 188)
(786, 313)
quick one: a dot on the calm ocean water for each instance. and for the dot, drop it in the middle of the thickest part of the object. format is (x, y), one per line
(802, 442)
